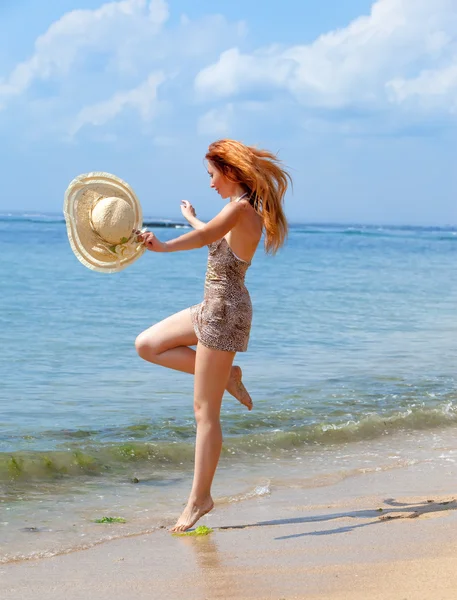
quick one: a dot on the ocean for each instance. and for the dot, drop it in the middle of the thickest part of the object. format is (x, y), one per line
(351, 366)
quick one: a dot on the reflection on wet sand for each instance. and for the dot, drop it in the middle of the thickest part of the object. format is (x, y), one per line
(216, 579)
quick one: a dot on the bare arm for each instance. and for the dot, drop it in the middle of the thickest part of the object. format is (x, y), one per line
(188, 212)
(209, 233)
(196, 223)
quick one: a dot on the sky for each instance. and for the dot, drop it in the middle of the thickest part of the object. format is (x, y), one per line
(358, 98)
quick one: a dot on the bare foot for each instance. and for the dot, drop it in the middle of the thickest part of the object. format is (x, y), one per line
(191, 514)
(236, 388)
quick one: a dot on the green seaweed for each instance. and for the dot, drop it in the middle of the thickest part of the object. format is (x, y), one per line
(110, 520)
(48, 464)
(52, 468)
(138, 427)
(132, 452)
(84, 461)
(201, 530)
(15, 467)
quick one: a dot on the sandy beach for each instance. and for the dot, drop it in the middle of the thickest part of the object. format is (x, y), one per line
(333, 542)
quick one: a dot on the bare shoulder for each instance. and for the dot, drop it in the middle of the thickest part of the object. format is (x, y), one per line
(241, 208)
(245, 205)
(249, 216)
(246, 208)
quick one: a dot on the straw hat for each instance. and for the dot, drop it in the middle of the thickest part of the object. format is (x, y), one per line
(102, 214)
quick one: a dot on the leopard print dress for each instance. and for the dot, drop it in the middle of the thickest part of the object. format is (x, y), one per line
(223, 320)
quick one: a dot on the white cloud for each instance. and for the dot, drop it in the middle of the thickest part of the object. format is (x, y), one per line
(403, 48)
(216, 122)
(91, 66)
(143, 98)
(431, 89)
(243, 117)
(235, 72)
(79, 33)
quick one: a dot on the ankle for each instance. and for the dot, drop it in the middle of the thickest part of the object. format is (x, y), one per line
(234, 372)
(198, 501)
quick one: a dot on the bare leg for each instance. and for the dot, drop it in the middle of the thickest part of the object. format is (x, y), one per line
(167, 344)
(212, 372)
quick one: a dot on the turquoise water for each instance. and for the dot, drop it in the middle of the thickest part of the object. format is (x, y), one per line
(354, 339)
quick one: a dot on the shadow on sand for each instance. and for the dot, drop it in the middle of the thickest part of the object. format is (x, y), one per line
(390, 511)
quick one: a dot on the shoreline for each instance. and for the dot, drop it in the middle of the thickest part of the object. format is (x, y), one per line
(329, 542)
(60, 524)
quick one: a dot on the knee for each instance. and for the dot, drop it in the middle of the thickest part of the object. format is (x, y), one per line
(205, 414)
(140, 344)
(146, 346)
(198, 411)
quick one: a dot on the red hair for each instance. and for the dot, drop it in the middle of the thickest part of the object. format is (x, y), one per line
(265, 180)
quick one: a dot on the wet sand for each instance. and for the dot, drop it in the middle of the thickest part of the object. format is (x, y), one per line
(331, 542)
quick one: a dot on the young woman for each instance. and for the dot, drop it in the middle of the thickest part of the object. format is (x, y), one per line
(255, 183)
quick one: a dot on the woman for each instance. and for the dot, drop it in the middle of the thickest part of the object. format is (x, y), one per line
(255, 183)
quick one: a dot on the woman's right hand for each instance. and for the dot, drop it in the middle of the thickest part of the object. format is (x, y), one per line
(151, 242)
(188, 211)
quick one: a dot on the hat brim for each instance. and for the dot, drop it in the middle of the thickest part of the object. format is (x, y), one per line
(78, 204)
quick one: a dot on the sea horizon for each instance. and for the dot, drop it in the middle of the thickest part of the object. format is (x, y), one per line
(59, 215)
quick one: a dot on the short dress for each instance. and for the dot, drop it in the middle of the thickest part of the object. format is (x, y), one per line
(223, 320)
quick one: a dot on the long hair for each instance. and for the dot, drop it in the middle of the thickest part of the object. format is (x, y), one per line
(260, 173)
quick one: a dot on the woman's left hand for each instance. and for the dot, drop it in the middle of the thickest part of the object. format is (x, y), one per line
(151, 242)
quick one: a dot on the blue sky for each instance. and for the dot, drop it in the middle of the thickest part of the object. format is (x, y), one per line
(358, 97)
